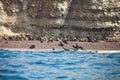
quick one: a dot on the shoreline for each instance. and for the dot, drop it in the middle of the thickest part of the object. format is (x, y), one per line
(47, 50)
(97, 47)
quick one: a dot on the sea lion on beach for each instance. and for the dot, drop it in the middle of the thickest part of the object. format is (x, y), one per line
(65, 41)
(60, 44)
(32, 47)
(65, 49)
(53, 48)
(40, 39)
(76, 47)
(90, 39)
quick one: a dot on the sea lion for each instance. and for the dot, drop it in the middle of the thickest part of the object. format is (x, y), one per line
(32, 47)
(76, 47)
(60, 44)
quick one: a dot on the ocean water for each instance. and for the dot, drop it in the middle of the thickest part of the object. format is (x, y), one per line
(58, 65)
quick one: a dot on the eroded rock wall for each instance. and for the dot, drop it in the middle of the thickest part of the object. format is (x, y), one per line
(6, 22)
(96, 18)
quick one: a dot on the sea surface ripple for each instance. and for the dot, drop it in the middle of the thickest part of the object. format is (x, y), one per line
(58, 65)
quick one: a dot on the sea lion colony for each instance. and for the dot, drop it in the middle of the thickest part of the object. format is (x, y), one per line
(26, 37)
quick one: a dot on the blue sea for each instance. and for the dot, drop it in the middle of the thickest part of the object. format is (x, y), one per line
(58, 65)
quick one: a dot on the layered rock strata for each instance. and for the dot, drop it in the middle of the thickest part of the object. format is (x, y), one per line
(73, 18)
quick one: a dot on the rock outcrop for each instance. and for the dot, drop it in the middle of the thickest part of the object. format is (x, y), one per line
(83, 18)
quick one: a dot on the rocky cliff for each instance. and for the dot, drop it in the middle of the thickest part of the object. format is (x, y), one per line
(83, 18)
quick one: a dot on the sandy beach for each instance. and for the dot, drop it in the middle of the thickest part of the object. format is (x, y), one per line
(87, 46)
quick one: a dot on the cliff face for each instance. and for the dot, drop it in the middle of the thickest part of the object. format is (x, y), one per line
(61, 17)
(95, 13)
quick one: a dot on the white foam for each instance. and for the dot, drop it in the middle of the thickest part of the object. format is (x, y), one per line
(22, 49)
(111, 51)
(94, 51)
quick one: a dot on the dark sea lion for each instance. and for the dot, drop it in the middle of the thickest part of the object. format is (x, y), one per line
(32, 47)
